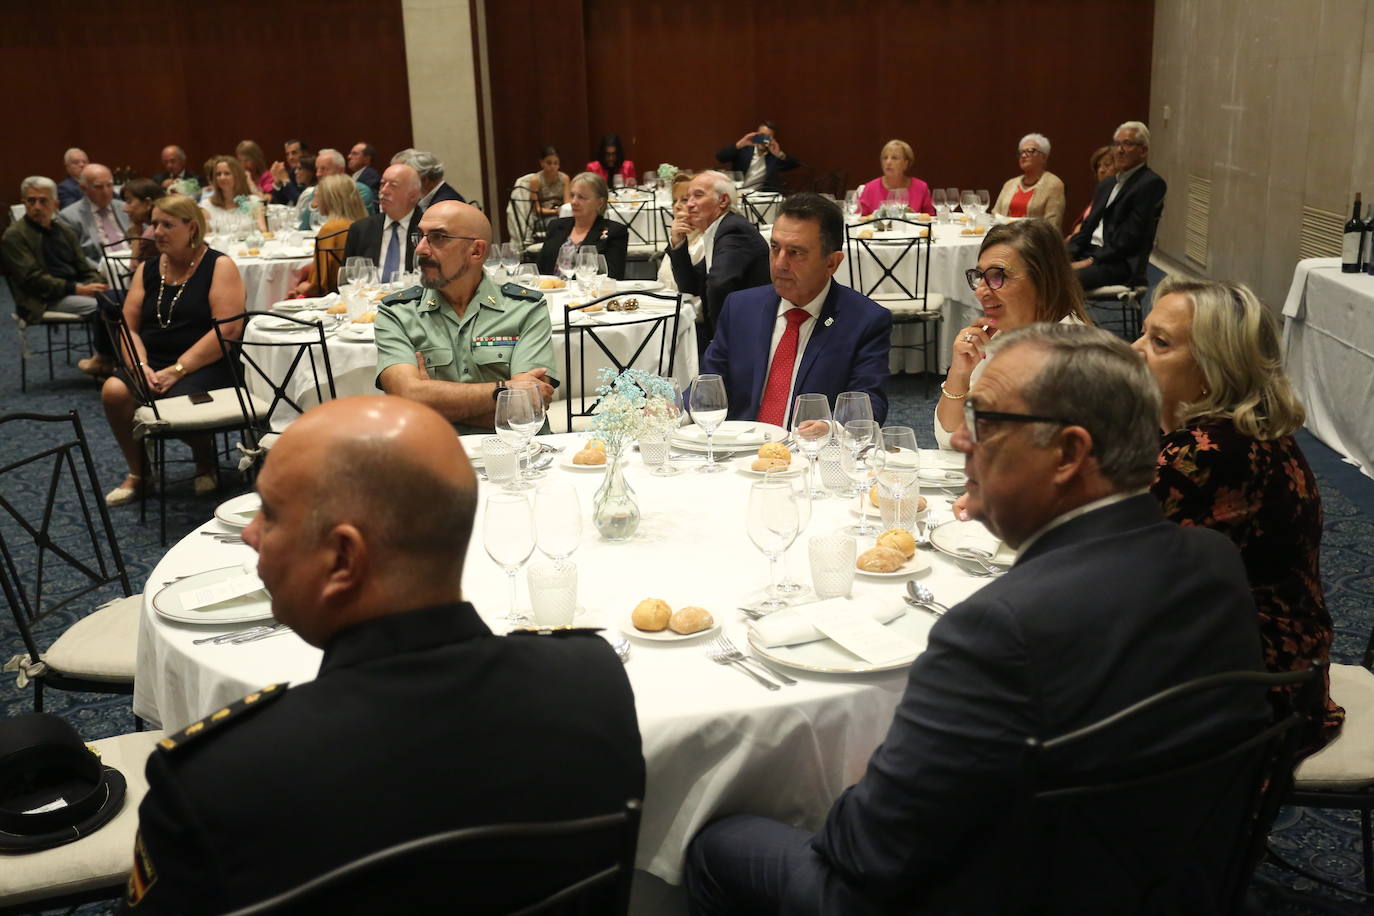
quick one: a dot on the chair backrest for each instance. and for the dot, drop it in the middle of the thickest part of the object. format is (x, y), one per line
(278, 365)
(518, 869)
(327, 257)
(760, 207)
(636, 211)
(46, 561)
(657, 317)
(895, 268)
(1140, 261)
(120, 263)
(522, 214)
(1187, 814)
(127, 354)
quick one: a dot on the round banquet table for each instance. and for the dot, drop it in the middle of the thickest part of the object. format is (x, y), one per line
(714, 741)
(265, 280)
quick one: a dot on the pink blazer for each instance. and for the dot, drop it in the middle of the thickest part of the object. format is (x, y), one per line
(917, 197)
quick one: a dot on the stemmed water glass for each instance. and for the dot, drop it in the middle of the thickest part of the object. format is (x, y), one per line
(508, 535)
(510, 259)
(968, 202)
(851, 203)
(516, 423)
(557, 520)
(857, 440)
(531, 388)
(984, 200)
(802, 494)
(952, 198)
(937, 197)
(567, 261)
(584, 267)
(773, 525)
(811, 429)
(709, 406)
(896, 463)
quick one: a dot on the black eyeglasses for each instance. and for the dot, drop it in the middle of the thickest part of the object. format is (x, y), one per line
(973, 417)
(1028, 151)
(994, 277)
(438, 239)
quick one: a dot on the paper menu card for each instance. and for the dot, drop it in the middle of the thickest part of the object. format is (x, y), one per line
(859, 633)
(235, 586)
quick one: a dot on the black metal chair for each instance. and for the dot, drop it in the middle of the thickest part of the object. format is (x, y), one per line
(55, 325)
(120, 263)
(325, 256)
(895, 273)
(1123, 303)
(517, 869)
(157, 420)
(659, 326)
(50, 577)
(275, 365)
(636, 212)
(524, 223)
(759, 207)
(1188, 814)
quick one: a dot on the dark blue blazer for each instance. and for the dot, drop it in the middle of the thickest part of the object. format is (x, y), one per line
(1129, 235)
(847, 351)
(445, 191)
(738, 159)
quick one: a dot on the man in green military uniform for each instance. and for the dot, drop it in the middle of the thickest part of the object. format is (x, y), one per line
(457, 343)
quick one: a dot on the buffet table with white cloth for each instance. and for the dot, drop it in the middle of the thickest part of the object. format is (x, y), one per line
(714, 741)
(353, 351)
(1328, 348)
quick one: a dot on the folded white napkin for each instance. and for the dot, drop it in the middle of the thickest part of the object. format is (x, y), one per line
(788, 628)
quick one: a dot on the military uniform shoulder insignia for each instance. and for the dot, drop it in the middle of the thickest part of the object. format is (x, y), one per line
(410, 294)
(216, 720)
(523, 293)
(556, 631)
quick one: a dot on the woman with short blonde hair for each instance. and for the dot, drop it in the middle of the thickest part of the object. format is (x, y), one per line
(896, 158)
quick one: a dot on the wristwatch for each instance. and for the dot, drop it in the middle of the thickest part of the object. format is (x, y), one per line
(496, 392)
(179, 369)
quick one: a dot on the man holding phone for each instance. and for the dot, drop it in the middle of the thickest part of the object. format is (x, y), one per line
(759, 157)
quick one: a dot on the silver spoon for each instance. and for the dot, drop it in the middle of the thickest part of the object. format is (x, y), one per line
(922, 593)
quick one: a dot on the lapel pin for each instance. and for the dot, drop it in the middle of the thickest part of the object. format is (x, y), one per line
(829, 321)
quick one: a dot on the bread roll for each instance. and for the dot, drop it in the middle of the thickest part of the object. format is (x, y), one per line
(596, 444)
(366, 318)
(880, 559)
(338, 308)
(591, 456)
(900, 540)
(769, 464)
(775, 450)
(651, 615)
(691, 620)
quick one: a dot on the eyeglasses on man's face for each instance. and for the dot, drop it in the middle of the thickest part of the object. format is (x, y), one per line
(438, 239)
(1127, 144)
(994, 277)
(976, 421)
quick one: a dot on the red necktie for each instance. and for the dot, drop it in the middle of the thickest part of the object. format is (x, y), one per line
(773, 407)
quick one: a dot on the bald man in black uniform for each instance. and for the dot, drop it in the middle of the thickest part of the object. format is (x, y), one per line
(420, 719)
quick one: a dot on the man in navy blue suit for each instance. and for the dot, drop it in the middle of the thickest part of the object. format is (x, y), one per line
(805, 333)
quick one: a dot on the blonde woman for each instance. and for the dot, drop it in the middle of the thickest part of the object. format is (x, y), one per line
(228, 183)
(896, 159)
(341, 206)
(1036, 192)
(1229, 460)
(254, 163)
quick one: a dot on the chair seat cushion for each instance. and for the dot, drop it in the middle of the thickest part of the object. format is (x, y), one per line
(1116, 292)
(179, 413)
(100, 860)
(102, 646)
(61, 318)
(558, 415)
(901, 305)
(1348, 761)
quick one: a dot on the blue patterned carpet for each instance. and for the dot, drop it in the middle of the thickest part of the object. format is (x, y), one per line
(1325, 841)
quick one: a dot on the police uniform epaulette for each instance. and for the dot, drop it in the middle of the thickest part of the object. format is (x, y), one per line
(523, 293)
(409, 294)
(234, 711)
(556, 631)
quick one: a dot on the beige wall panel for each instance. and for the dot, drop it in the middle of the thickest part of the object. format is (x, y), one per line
(1289, 133)
(443, 88)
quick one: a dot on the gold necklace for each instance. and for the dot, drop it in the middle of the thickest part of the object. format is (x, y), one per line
(166, 322)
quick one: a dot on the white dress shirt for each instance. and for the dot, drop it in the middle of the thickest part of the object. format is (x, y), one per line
(387, 223)
(813, 308)
(708, 239)
(757, 171)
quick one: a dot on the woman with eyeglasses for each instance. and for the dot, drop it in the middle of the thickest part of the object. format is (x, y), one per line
(340, 206)
(1023, 276)
(1036, 192)
(896, 159)
(1229, 460)
(587, 226)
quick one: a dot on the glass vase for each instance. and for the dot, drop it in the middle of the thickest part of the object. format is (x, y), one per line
(614, 510)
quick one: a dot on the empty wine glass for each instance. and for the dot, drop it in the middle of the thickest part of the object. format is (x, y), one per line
(773, 525)
(802, 495)
(557, 519)
(567, 261)
(968, 202)
(852, 405)
(896, 463)
(531, 389)
(811, 428)
(527, 275)
(584, 267)
(851, 203)
(857, 440)
(510, 259)
(984, 200)
(937, 197)
(508, 536)
(709, 406)
(516, 423)
(952, 198)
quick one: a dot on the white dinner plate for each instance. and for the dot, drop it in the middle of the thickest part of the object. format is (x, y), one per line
(244, 609)
(629, 629)
(732, 435)
(270, 323)
(565, 461)
(953, 536)
(357, 333)
(638, 286)
(913, 567)
(825, 656)
(744, 463)
(308, 302)
(239, 511)
(285, 254)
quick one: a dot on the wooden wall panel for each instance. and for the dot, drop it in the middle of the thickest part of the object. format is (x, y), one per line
(961, 80)
(121, 80)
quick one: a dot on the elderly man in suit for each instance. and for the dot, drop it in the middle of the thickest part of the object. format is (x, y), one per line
(174, 167)
(360, 166)
(804, 333)
(433, 188)
(1113, 246)
(98, 219)
(1107, 603)
(385, 237)
(419, 721)
(736, 254)
(69, 191)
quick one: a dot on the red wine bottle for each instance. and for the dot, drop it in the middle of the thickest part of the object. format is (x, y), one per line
(1352, 242)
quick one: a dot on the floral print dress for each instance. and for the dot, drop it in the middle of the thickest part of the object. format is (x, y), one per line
(1263, 496)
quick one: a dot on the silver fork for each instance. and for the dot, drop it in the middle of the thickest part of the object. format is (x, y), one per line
(230, 637)
(720, 658)
(724, 644)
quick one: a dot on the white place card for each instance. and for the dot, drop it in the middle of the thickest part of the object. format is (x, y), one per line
(219, 592)
(859, 633)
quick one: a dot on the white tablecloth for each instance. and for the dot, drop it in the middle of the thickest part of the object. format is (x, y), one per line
(714, 742)
(1328, 341)
(265, 280)
(354, 363)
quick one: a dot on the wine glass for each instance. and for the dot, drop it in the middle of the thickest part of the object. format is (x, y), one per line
(709, 406)
(984, 199)
(584, 267)
(896, 462)
(531, 389)
(510, 259)
(811, 429)
(567, 261)
(852, 405)
(516, 423)
(952, 198)
(603, 274)
(557, 520)
(508, 536)
(851, 203)
(527, 275)
(802, 494)
(968, 202)
(773, 525)
(857, 440)
(937, 197)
